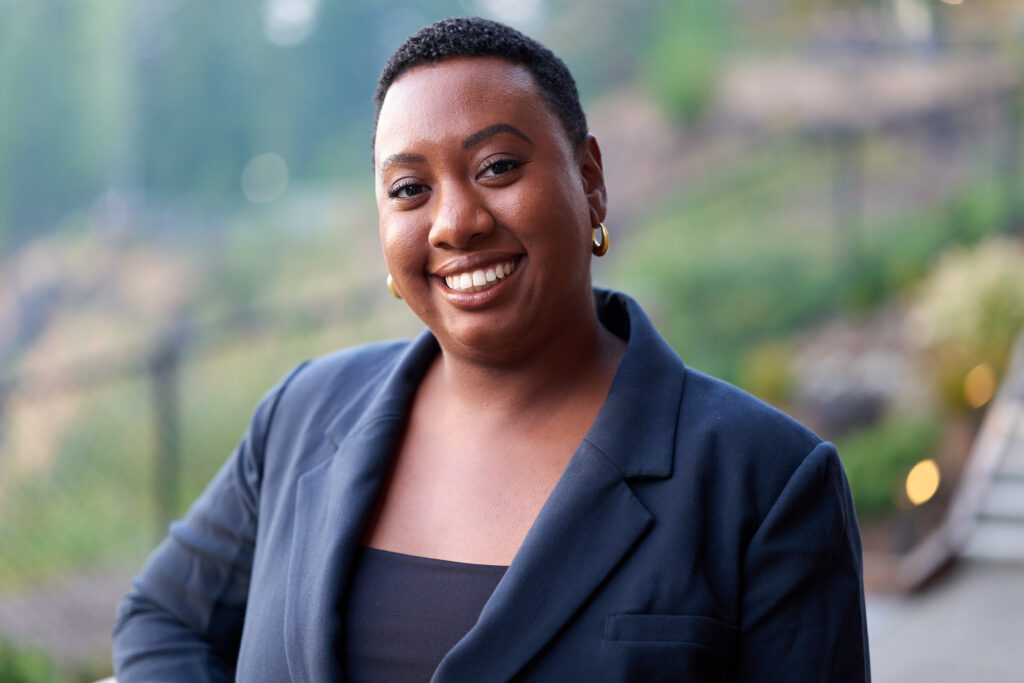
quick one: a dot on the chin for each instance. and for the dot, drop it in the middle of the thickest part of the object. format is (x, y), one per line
(483, 342)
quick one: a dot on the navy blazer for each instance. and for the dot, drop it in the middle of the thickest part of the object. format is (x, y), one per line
(697, 534)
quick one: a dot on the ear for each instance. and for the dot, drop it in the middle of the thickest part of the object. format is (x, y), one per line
(592, 174)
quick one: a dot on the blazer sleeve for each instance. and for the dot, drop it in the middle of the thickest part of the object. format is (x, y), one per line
(803, 613)
(183, 619)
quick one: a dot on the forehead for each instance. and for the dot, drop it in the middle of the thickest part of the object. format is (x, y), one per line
(456, 97)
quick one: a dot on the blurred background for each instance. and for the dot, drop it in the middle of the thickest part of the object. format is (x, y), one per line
(820, 201)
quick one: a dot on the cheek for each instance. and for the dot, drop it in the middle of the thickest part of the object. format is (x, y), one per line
(559, 215)
(402, 245)
(540, 206)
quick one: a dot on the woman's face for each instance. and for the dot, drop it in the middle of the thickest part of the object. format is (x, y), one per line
(486, 208)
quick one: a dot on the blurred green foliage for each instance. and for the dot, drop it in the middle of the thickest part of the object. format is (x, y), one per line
(765, 370)
(59, 119)
(969, 311)
(899, 252)
(26, 665)
(877, 459)
(96, 489)
(734, 262)
(724, 267)
(681, 63)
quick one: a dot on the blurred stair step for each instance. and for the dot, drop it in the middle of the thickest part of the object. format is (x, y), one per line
(997, 540)
(1013, 463)
(1005, 500)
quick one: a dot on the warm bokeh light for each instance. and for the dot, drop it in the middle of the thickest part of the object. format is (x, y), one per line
(953, 2)
(979, 385)
(923, 482)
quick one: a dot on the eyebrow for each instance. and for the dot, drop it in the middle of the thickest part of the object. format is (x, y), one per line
(401, 158)
(481, 135)
(470, 142)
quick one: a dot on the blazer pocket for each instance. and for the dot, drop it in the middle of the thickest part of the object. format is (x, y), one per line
(670, 628)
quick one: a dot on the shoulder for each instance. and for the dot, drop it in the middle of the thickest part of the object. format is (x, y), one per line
(716, 407)
(351, 365)
(724, 438)
(735, 441)
(301, 420)
(315, 391)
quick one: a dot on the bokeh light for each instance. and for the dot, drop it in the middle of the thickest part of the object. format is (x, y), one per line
(923, 482)
(979, 385)
(265, 178)
(289, 22)
(516, 13)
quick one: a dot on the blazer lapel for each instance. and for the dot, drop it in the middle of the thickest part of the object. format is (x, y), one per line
(592, 519)
(557, 568)
(333, 503)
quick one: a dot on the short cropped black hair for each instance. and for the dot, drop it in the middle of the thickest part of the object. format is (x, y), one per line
(476, 37)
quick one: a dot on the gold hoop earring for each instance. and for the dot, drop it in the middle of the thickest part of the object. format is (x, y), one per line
(391, 287)
(600, 248)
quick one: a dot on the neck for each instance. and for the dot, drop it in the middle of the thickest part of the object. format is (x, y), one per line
(581, 359)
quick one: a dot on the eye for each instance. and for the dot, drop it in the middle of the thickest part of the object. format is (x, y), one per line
(499, 167)
(406, 190)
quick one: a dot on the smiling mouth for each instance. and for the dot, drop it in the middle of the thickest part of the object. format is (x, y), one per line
(481, 278)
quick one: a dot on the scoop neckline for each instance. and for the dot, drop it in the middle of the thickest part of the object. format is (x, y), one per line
(424, 560)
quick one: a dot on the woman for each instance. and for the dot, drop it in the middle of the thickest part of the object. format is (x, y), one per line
(536, 488)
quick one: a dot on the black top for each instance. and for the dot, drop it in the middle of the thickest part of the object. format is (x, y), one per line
(405, 612)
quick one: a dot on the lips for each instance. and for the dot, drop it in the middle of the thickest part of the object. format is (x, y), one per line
(480, 279)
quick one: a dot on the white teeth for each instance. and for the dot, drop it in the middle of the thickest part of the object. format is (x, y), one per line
(478, 280)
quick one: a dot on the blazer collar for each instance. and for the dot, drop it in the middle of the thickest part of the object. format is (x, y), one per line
(393, 395)
(566, 555)
(636, 427)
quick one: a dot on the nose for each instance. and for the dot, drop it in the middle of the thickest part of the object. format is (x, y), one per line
(460, 217)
